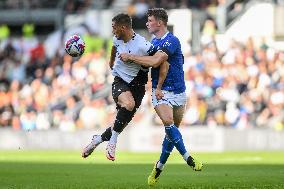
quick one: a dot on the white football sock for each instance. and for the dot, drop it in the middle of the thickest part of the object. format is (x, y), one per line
(97, 139)
(160, 165)
(114, 136)
(185, 156)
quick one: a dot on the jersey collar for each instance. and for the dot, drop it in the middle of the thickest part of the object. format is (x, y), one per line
(164, 36)
(133, 36)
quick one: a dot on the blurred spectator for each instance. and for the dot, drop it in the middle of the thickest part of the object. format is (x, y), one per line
(221, 15)
(208, 32)
(77, 6)
(137, 10)
(4, 32)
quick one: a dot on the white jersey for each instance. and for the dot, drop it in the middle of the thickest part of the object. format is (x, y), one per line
(138, 45)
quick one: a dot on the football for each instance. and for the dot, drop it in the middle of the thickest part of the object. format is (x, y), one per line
(75, 46)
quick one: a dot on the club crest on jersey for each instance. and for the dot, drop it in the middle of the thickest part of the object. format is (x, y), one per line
(167, 44)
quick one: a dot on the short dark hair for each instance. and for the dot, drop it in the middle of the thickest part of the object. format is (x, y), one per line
(159, 14)
(123, 19)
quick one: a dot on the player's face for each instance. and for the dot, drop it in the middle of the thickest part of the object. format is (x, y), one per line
(152, 25)
(117, 30)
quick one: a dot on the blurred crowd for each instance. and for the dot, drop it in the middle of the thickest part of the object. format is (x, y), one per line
(222, 11)
(20, 4)
(74, 5)
(241, 87)
(175, 4)
(37, 92)
(70, 6)
(41, 87)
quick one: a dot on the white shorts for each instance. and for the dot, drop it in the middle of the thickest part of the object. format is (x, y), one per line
(169, 98)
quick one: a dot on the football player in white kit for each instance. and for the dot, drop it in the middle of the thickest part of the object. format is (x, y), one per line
(128, 87)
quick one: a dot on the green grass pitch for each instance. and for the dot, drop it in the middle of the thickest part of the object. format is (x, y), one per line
(66, 169)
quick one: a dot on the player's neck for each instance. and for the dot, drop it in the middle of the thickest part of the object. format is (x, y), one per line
(128, 36)
(159, 34)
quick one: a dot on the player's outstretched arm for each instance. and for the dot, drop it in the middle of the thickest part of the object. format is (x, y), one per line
(164, 68)
(149, 61)
(112, 56)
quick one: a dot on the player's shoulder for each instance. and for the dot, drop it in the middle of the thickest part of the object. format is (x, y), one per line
(114, 38)
(116, 42)
(172, 37)
(139, 37)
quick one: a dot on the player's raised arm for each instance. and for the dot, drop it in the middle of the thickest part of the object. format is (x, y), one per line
(112, 56)
(164, 68)
(149, 61)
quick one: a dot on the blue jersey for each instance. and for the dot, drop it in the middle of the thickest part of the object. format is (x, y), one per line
(174, 81)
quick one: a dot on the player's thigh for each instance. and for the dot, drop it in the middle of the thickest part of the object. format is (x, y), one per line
(165, 112)
(121, 94)
(138, 93)
(178, 112)
(126, 100)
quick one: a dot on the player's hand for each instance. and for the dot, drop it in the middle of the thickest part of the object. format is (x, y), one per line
(159, 94)
(124, 57)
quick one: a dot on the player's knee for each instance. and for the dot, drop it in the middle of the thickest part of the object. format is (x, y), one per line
(168, 121)
(129, 105)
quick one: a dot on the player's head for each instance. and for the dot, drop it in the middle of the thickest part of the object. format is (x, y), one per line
(120, 24)
(157, 19)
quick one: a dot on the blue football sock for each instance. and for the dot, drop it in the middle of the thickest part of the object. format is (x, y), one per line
(175, 136)
(167, 148)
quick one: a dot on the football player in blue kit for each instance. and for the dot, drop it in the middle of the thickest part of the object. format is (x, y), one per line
(171, 106)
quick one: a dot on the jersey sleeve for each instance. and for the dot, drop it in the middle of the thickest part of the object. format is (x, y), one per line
(170, 46)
